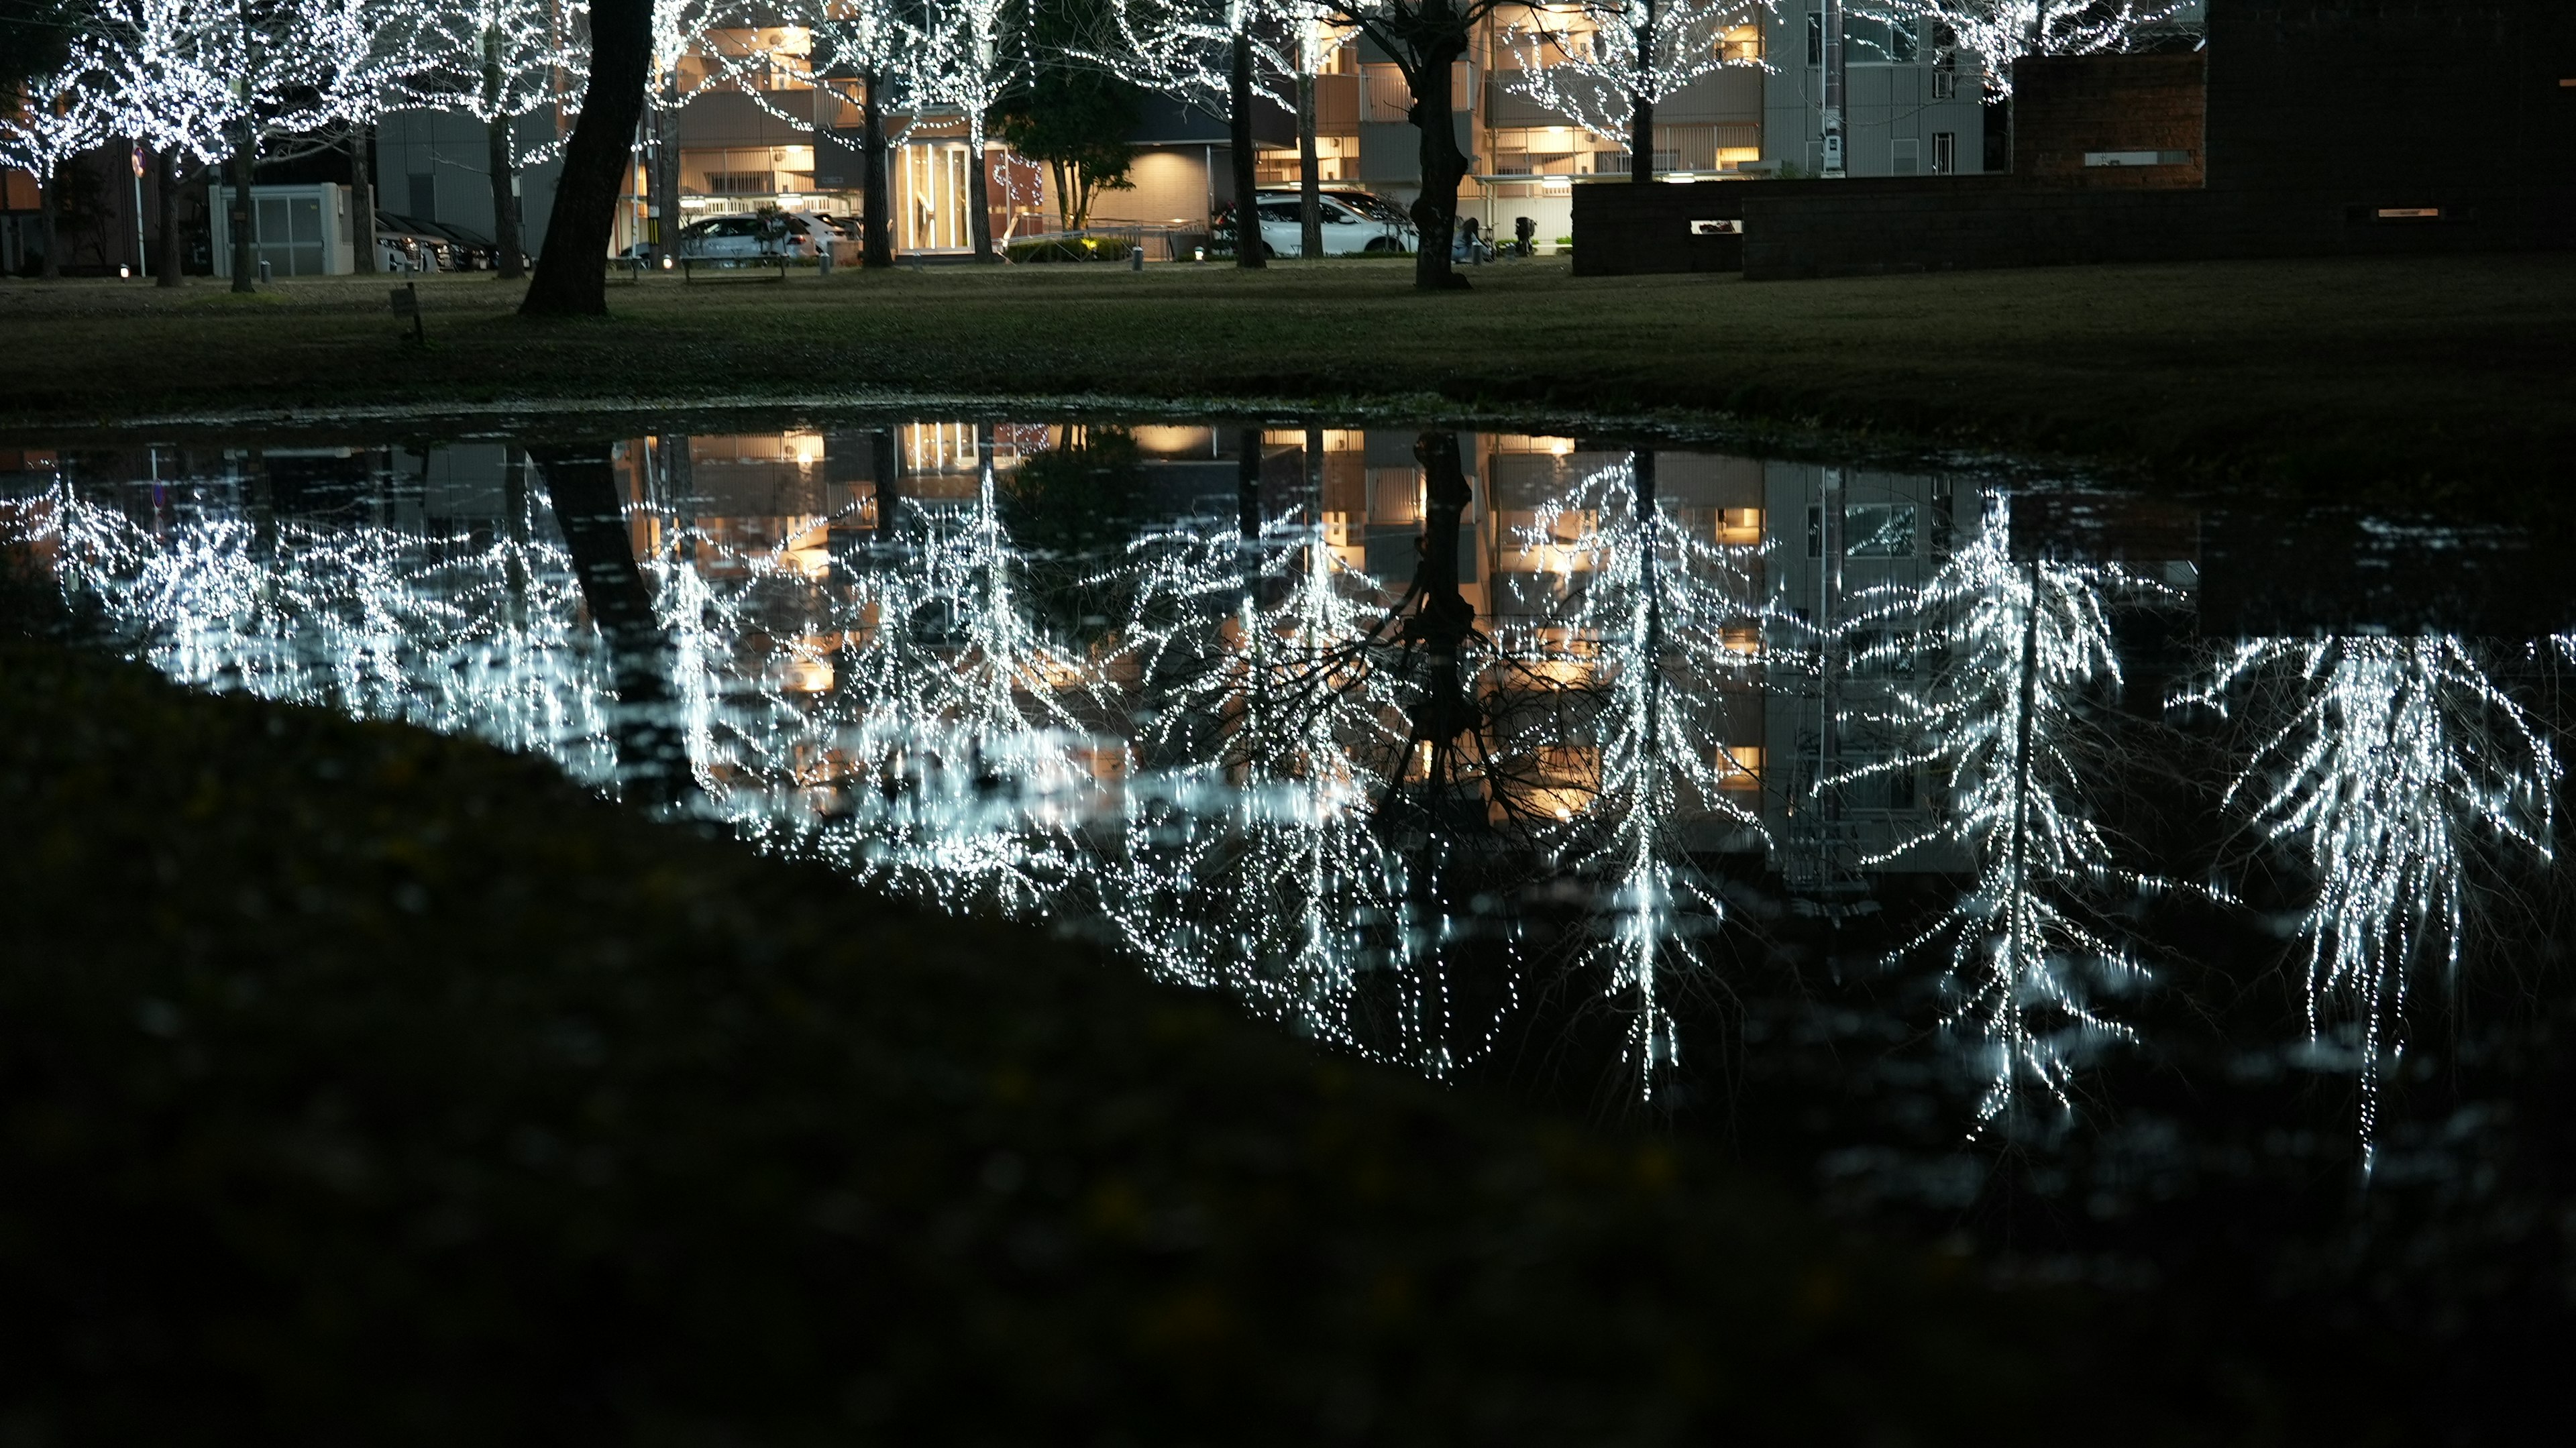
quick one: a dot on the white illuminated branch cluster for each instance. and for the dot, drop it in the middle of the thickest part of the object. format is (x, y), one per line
(2383, 765)
(1658, 631)
(1185, 48)
(485, 639)
(1597, 62)
(962, 725)
(1251, 861)
(2003, 31)
(2003, 725)
(498, 60)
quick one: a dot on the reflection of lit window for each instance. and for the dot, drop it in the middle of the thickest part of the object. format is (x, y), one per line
(1739, 526)
(1739, 766)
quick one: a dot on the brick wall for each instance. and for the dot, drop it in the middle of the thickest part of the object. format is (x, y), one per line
(2321, 118)
(2065, 107)
(1623, 229)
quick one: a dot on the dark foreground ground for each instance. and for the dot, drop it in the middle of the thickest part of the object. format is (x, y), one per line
(362, 1086)
(2445, 381)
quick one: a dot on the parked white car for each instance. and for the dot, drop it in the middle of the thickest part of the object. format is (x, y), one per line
(1348, 230)
(722, 238)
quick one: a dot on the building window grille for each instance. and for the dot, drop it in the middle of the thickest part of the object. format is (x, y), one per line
(738, 183)
(1945, 153)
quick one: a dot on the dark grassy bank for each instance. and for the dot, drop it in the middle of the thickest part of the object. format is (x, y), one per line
(2449, 381)
(358, 1085)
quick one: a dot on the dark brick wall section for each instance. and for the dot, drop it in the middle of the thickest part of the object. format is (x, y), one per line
(2364, 127)
(1624, 229)
(2065, 107)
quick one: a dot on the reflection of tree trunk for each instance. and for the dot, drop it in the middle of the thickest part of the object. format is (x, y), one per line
(887, 466)
(2023, 728)
(1650, 649)
(1247, 216)
(572, 270)
(652, 760)
(1247, 482)
(1439, 623)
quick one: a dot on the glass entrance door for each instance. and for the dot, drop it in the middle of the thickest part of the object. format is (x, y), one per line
(933, 204)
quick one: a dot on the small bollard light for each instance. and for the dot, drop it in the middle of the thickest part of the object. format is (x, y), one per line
(124, 273)
(667, 262)
(1136, 258)
(265, 275)
(823, 261)
(1198, 253)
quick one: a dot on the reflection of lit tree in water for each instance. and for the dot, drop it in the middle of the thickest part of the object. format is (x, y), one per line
(958, 719)
(1253, 862)
(2003, 723)
(1655, 633)
(2382, 763)
(442, 631)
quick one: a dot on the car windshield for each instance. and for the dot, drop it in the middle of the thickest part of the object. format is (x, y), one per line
(1371, 205)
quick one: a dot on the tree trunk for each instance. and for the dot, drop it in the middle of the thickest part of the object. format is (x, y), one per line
(979, 194)
(1247, 215)
(1435, 211)
(165, 179)
(1641, 141)
(662, 174)
(878, 249)
(1310, 186)
(572, 275)
(652, 758)
(362, 197)
(49, 207)
(245, 259)
(501, 164)
(505, 198)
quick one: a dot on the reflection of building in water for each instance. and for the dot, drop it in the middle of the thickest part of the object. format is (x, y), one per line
(1845, 541)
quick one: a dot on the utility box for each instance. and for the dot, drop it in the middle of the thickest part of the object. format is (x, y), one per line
(300, 231)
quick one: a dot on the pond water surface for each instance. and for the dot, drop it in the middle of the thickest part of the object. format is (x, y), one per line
(2144, 890)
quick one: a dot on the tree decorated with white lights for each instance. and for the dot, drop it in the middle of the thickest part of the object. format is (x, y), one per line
(1252, 863)
(2006, 725)
(963, 57)
(1657, 631)
(2387, 768)
(499, 61)
(962, 721)
(355, 58)
(1221, 56)
(2001, 32)
(1606, 64)
(57, 118)
(482, 638)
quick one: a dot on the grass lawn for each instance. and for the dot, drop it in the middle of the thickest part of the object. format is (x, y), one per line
(363, 1086)
(2443, 380)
